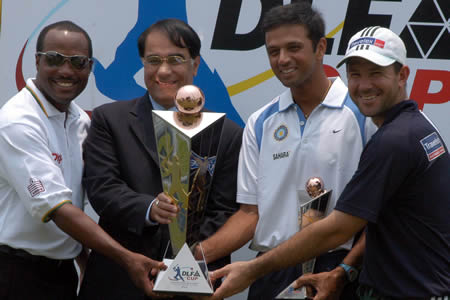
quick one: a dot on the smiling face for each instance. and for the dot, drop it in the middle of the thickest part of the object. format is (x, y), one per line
(375, 89)
(61, 84)
(163, 81)
(291, 54)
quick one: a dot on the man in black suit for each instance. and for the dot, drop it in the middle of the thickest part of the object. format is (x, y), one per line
(122, 175)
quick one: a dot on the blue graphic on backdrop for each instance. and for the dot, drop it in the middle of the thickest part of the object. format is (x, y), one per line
(117, 81)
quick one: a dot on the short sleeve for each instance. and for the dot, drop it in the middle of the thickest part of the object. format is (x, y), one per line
(248, 167)
(28, 166)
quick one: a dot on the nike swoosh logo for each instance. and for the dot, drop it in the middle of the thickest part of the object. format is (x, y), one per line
(336, 130)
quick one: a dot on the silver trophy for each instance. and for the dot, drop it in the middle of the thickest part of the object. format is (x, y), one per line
(312, 207)
(187, 142)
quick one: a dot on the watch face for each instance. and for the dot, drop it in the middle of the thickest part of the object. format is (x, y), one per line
(352, 275)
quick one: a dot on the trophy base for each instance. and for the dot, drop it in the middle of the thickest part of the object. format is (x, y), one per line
(291, 293)
(184, 276)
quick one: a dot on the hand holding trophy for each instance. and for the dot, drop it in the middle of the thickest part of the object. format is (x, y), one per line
(187, 144)
(312, 206)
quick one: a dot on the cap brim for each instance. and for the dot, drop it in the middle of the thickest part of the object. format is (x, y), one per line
(371, 56)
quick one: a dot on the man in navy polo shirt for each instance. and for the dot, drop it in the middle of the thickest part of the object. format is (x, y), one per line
(400, 191)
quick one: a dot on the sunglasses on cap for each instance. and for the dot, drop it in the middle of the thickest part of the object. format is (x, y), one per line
(156, 60)
(55, 59)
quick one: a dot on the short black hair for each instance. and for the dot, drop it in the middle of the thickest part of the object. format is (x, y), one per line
(180, 34)
(62, 25)
(397, 67)
(299, 13)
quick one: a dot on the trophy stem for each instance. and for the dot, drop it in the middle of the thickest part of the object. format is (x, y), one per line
(308, 266)
(187, 158)
(310, 211)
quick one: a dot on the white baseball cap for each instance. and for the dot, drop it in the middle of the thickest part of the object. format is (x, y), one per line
(378, 45)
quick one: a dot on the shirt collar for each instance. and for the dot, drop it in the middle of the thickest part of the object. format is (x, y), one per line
(286, 101)
(335, 97)
(49, 109)
(157, 106)
(398, 108)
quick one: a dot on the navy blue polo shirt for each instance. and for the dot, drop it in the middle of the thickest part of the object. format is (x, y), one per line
(402, 188)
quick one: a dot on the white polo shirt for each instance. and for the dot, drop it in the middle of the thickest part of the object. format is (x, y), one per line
(40, 169)
(281, 150)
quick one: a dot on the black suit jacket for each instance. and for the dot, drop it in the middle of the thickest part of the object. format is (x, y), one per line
(122, 178)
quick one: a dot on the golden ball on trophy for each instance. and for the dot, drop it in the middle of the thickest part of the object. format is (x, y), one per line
(189, 99)
(314, 187)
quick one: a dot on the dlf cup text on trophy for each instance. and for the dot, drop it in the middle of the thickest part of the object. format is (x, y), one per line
(187, 144)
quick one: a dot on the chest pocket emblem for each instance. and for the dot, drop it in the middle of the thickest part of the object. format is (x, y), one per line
(281, 133)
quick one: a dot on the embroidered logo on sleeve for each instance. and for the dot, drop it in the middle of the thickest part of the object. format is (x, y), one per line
(433, 146)
(35, 187)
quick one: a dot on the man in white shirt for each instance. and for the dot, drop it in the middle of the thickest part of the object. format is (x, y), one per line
(399, 193)
(41, 133)
(311, 130)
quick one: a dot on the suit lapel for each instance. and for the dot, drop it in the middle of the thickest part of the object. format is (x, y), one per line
(142, 124)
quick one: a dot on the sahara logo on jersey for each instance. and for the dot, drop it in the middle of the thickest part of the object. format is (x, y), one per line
(281, 155)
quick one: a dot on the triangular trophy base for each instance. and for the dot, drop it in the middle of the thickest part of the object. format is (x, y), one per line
(291, 293)
(184, 276)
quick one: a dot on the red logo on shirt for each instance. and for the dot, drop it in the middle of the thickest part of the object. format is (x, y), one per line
(57, 157)
(36, 187)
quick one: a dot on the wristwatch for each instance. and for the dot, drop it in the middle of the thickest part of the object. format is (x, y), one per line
(351, 272)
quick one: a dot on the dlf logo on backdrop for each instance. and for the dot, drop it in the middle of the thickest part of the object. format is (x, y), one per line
(232, 45)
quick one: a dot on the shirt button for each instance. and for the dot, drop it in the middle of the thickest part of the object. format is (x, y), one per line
(302, 123)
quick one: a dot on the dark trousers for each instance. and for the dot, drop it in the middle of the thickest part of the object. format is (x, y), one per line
(269, 286)
(25, 276)
(368, 293)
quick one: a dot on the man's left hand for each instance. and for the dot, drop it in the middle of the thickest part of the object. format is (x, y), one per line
(328, 285)
(163, 209)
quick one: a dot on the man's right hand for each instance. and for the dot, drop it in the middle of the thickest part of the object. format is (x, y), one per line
(238, 276)
(163, 209)
(327, 285)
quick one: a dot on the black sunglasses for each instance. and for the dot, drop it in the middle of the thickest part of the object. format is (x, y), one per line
(55, 59)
